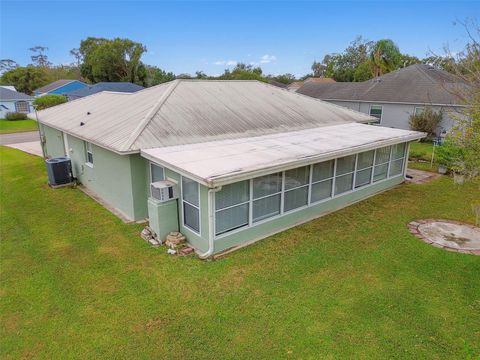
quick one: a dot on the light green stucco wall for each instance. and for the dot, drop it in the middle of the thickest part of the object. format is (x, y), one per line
(119, 180)
(54, 146)
(291, 219)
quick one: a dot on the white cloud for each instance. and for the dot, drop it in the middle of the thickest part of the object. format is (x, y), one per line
(226, 62)
(265, 59)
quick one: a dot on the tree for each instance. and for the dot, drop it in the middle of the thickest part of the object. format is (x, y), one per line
(385, 57)
(157, 76)
(77, 56)
(350, 65)
(318, 69)
(407, 60)
(464, 138)
(426, 121)
(7, 64)
(201, 75)
(243, 72)
(112, 60)
(283, 78)
(46, 101)
(25, 79)
(39, 58)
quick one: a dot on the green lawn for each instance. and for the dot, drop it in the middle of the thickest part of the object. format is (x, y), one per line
(8, 127)
(420, 156)
(78, 283)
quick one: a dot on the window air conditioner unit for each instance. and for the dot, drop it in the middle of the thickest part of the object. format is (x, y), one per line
(163, 190)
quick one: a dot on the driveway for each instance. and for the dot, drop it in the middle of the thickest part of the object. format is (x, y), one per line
(28, 142)
(20, 137)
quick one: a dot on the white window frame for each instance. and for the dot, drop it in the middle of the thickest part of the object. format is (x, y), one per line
(249, 216)
(381, 114)
(253, 199)
(22, 102)
(251, 223)
(150, 174)
(332, 178)
(307, 185)
(417, 108)
(89, 150)
(347, 173)
(195, 206)
(366, 168)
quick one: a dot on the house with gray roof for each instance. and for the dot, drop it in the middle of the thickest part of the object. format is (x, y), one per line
(124, 87)
(226, 163)
(393, 97)
(60, 87)
(14, 101)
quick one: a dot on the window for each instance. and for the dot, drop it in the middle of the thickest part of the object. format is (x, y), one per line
(322, 180)
(22, 106)
(419, 110)
(266, 196)
(376, 111)
(296, 188)
(232, 207)
(248, 202)
(89, 153)
(157, 173)
(398, 154)
(363, 174)
(191, 204)
(382, 157)
(344, 174)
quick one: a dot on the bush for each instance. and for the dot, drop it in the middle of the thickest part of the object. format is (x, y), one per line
(448, 155)
(427, 121)
(416, 155)
(46, 101)
(13, 116)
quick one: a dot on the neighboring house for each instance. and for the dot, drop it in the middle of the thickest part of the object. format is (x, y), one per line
(294, 86)
(14, 101)
(393, 97)
(60, 87)
(9, 87)
(246, 159)
(125, 87)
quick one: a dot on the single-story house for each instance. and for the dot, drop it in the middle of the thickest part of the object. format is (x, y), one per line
(294, 86)
(14, 101)
(60, 87)
(125, 87)
(241, 159)
(393, 97)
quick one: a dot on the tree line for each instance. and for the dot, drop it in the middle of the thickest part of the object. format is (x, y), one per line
(111, 60)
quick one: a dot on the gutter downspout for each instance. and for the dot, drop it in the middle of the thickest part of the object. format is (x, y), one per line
(42, 145)
(211, 223)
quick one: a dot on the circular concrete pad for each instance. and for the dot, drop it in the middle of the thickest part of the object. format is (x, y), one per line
(450, 235)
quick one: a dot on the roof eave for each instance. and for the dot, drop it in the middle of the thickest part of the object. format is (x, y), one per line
(229, 178)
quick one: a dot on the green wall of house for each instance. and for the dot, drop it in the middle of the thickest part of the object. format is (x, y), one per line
(119, 180)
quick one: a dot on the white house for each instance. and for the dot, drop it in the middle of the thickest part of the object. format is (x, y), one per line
(394, 97)
(14, 101)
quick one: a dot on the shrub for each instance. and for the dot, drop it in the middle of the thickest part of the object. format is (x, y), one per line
(46, 101)
(12, 116)
(427, 121)
(448, 155)
(416, 155)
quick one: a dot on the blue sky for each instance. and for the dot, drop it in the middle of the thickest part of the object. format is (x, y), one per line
(210, 36)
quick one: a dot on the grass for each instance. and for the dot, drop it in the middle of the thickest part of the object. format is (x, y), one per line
(9, 127)
(420, 156)
(78, 283)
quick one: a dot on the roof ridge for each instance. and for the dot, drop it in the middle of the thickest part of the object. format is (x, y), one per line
(146, 120)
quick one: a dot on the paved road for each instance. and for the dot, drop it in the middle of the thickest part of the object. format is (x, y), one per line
(19, 137)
